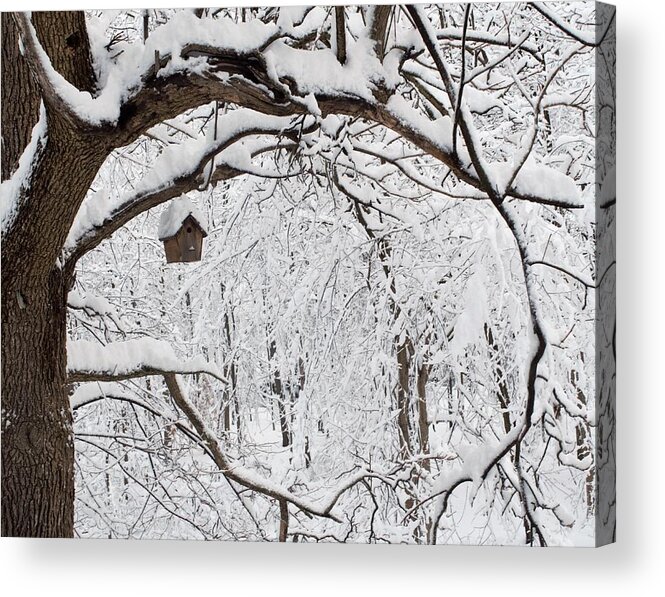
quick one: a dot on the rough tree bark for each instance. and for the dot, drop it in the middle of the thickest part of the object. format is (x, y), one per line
(37, 446)
(20, 99)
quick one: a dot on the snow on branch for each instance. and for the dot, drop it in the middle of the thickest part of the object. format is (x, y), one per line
(455, 34)
(179, 44)
(94, 306)
(475, 464)
(248, 478)
(88, 393)
(212, 49)
(180, 161)
(176, 171)
(67, 100)
(12, 189)
(588, 38)
(89, 361)
(535, 180)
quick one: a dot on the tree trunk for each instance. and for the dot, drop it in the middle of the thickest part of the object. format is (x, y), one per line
(404, 354)
(37, 440)
(20, 99)
(283, 520)
(277, 390)
(230, 374)
(37, 445)
(423, 417)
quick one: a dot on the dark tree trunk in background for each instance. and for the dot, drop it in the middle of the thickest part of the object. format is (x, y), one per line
(37, 440)
(404, 355)
(277, 390)
(423, 416)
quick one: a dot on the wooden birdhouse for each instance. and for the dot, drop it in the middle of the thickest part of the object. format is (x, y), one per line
(182, 232)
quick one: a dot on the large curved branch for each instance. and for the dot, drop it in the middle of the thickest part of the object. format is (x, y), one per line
(84, 397)
(119, 361)
(191, 158)
(139, 203)
(244, 78)
(57, 91)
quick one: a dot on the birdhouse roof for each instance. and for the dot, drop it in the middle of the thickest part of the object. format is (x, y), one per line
(175, 214)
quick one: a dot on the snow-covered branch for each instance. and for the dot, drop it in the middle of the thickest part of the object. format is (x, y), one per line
(178, 170)
(588, 38)
(12, 190)
(247, 477)
(89, 361)
(57, 93)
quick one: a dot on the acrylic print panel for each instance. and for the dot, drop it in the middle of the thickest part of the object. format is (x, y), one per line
(401, 326)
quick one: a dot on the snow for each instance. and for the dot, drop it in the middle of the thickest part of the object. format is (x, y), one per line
(175, 214)
(564, 515)
(12, 188)
(239, 157)
(89, 392)
(479, 101)
(571, 459)
(97, 304)
(121, 359)
(438, 132)
(319, 72)
(124, 78)
(92, 110)
(93, 212)
(175, 163)
(178, 161)
(537, 180)
(296, 21)
(476, 460)
(469, 327)
(290, 16)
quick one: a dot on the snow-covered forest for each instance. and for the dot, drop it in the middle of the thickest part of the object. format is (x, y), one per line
(391, 334)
